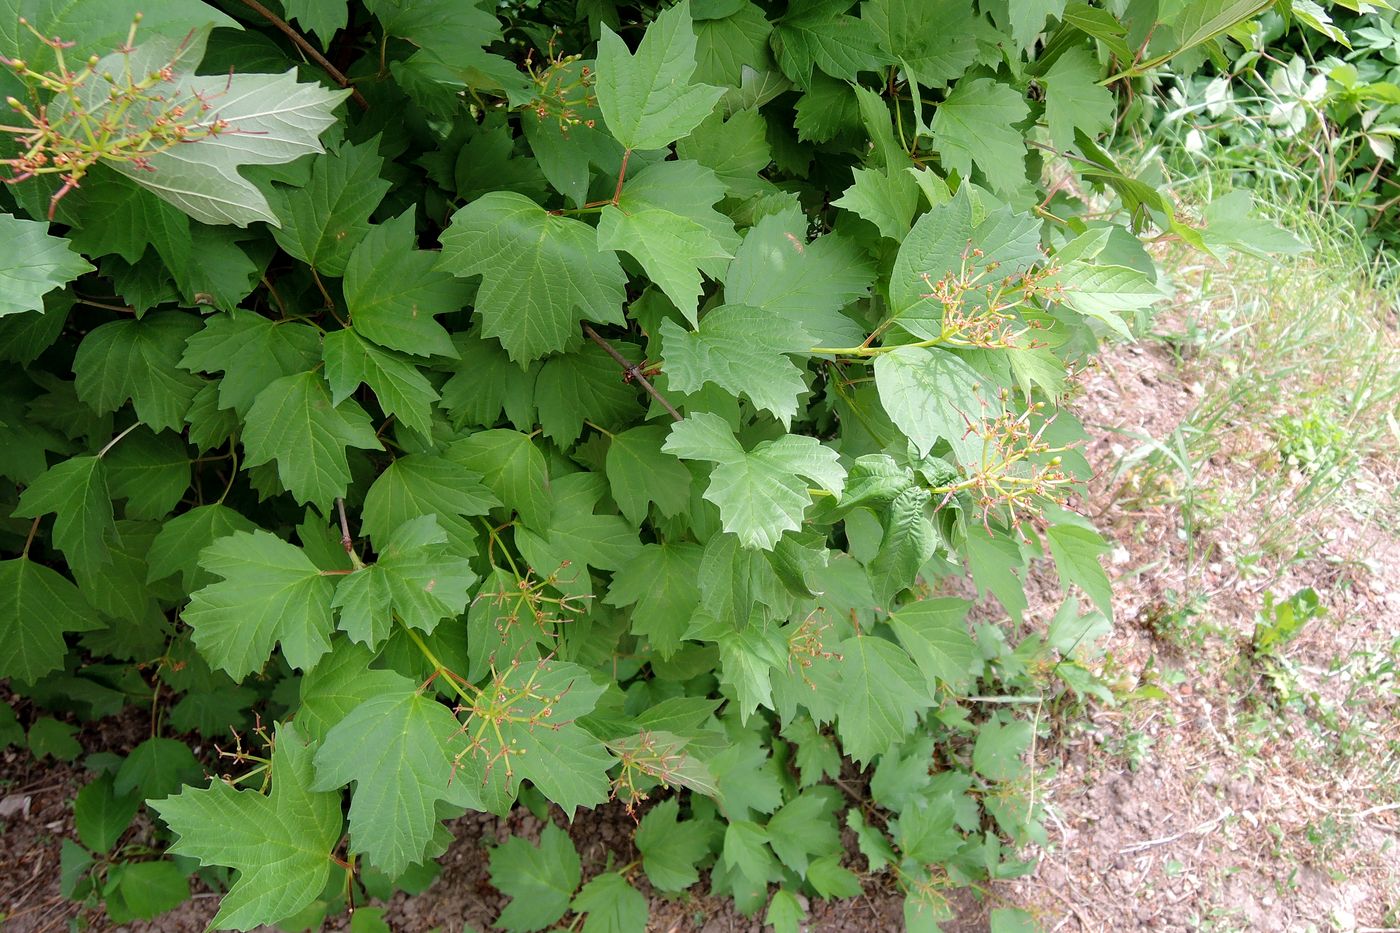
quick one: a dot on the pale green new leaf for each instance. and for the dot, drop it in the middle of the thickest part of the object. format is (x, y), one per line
(934, 632)
(37, 607)
(997, 754)
(647, 98)
(76, 491)
(909, 540)
(294, 422)
(540, 880)
(976, 124)
(743, 351)
(934, 40)
(324, 220)
(932, 395)
(139, 360)
(541, 274)
(280, 844)
(393, 291)
(885, 198)
(670, 248)
(763, 492)
(33, 264)
(1027, 18)
(415, 579)
(403, 391)
(882, 693)
(397, 748)
(269, 591)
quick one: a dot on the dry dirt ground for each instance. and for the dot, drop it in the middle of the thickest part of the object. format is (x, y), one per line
(1223, 792)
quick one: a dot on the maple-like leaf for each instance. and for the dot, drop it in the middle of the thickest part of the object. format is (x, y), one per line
(280, 844)
(139, 360)
(76, 491)
(37, 606)
(397, 748)
(269, 591)
(933, 395)
(34, 264)
(401, 389)
(251, 351)
(647, 97)
(295, 423)
(822, 33)
(743, 351)
(540, 274)
(427, 484)
(540, 880)
(763, 492)
(976, 125)
(415, 578)
(1074, 99)
(324, 220)
(393, 291)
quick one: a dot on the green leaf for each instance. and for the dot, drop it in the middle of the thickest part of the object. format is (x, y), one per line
(928, 834)
(295, 423)
(323, 220)
(157, 768)
(976, 124)
(539, 880)
(660, 583)
(53, 738)
(177, 546)
(743, 351)
(1027, 18)
(995, 561)
(415, 579)
(671, 249)
(671, 848)
(512, 467)
(139, 360)
(270, 119)
(735, 149)
(269, 592)
(397, 748)
(150, 471)
(37, 607)
(932, 395)
(528, 730)
(576, 538)
(760, 493)
(34, 264)
(641, 474)
(339, 683)
(776, 270)
(280, 844)
(934, 632)
(997, 753)
(144, 890)
(1077, 551)
(76, 491)
(885, 198)
(586, 385)
(785, 913)
(427, 484)
(935, 40)
(401, 389)
(882, 693)
(541, 274)
(804, 827)
(251, 352)
(611, 905)
(1232, 223)
(647, 97)
(323, 17)
(909, 540)
(822, 33)
(1074, 99)
(101, 815)
(393, 291)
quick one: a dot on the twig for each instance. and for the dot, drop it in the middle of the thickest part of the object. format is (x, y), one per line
(632, 370)
(346, 541)
(308, 48)
(1205, 827)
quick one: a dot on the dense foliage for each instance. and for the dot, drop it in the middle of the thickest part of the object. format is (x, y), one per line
(554, 403)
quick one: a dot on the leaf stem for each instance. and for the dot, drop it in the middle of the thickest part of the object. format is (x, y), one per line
(632, 370)
(621, 175)
(113, 442)
(29, 539)
(346, 540)
(300, 41)
(438, 666)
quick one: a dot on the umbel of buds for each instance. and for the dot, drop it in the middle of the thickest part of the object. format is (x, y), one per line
(562, 89)
(109, 110)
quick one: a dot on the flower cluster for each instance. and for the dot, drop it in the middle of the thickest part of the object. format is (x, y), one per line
(979, 306)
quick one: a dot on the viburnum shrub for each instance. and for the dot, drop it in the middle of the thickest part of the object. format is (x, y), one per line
(420, 407)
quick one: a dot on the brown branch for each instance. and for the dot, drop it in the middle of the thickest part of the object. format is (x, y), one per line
(632, 370)
(308, 48)
(346, 541)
